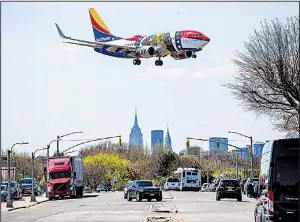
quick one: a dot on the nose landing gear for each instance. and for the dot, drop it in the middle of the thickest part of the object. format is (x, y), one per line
(136, 62)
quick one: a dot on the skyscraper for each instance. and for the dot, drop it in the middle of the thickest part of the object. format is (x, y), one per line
(136, 136)
(157, 138)
(168, 141)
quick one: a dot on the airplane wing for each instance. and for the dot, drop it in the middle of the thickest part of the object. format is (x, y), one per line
(107, 45)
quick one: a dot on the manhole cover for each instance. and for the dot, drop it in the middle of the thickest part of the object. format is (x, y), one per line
(163, 219)
(163, 208)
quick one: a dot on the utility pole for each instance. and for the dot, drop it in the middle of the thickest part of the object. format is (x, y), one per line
(9, 202)
(250, 149)
(58, 138)
(33, 199)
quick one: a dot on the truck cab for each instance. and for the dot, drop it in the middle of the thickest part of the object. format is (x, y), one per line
(65, 177)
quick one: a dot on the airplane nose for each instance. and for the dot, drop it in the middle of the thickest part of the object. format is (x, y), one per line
(205, 38)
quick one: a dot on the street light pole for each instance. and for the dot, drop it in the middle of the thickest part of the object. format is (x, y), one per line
(58, 138)
(9, 202)
(33, 198)
(251, 150)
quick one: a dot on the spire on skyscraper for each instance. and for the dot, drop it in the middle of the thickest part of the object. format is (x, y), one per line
(168, 141)
(135, 119)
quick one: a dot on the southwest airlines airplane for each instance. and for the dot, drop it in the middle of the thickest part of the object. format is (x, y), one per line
(179, 45)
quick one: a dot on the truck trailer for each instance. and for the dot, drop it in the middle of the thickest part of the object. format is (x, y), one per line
(65, 177)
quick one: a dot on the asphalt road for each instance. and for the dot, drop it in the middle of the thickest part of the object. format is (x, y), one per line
(110, 206)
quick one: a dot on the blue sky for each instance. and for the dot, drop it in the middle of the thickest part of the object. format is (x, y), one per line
(51, 88)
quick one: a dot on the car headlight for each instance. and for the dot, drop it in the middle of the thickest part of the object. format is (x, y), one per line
(49, 189)
(141, 190)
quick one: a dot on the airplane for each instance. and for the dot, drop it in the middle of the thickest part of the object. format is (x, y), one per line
(179, 44)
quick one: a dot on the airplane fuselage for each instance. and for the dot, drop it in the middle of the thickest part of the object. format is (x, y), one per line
(170, 43)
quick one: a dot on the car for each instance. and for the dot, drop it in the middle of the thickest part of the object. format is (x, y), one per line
(87, 190)
(3, 192)
(143, 189)
(26, 186)
(126, 188)
(249, 180)
(229, 188)
(172, 184)
(100, 187)
(15, 190)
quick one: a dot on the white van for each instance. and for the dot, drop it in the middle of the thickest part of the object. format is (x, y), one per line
(172, 184)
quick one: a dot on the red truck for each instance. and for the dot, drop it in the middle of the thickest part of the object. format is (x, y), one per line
(65, 177)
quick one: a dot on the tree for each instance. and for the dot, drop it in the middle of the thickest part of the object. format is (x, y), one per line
(268, 73)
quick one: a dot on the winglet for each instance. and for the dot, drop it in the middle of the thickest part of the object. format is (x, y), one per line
(60, 32)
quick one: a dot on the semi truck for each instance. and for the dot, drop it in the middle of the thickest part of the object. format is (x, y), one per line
(64, 177)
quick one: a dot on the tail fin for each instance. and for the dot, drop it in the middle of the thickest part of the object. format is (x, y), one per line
(101, 32)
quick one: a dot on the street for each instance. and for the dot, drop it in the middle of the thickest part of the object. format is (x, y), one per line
(110, 206)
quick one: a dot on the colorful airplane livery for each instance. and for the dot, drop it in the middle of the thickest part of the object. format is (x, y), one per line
(179, 45)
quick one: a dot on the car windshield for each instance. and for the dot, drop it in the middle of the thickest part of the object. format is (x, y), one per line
(12, 184)
(23, 181)
(144, 184)
(101, 185)
(58, 175)
(287, 178)
(3, 187)
(172, 180)
(229, 183)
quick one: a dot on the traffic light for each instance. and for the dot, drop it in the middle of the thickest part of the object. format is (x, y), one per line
(218, 144)
(187, 143)
(120, 141)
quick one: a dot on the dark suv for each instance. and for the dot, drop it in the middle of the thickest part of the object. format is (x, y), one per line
(229, 188)
(143, 189)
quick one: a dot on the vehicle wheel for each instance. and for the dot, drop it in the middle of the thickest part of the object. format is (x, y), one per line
(159, 198)
(138, 62)
(134, 62)
(194, 56)
(218, 198)
(125, 196)
(157, 63)
(160, 62)
(128, 197)
(138, 197)
(50, 198)
(239, 199)
(149, 199)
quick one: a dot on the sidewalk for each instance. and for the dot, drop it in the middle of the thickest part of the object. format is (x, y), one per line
(24, 203)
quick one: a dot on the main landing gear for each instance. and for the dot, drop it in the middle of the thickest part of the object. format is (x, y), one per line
(159, 62)
(136, 62)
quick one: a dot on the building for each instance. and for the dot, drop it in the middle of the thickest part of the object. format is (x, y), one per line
(257, 148)
(168, 141)
(244, 151)
(157, 138)
(136, 136)
(222, 145)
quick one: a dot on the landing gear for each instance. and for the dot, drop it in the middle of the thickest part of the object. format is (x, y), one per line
(194, 56)
(136, 62)
(159, 62)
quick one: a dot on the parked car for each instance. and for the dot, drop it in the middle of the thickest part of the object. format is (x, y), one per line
(229, 188)
(3, 192)
(87, 190)
(126, 188)
(101, 187)
(26, 186)
(143, 189)
(249, 180)
(15, 190)
(172, 184)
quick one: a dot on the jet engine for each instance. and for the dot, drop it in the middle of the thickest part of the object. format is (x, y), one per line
(182, 55)
(150, 51)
